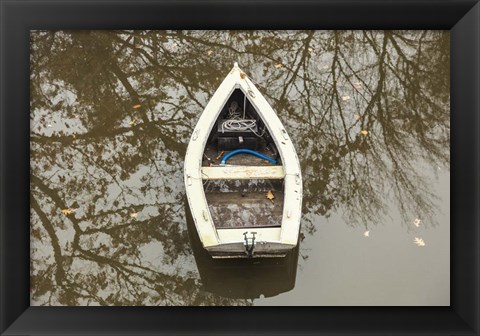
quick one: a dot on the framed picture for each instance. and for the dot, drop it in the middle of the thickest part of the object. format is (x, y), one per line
(51, 95)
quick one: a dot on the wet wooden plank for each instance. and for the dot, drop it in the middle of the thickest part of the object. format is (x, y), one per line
(245, 186)
(232, 210)
(242, 172)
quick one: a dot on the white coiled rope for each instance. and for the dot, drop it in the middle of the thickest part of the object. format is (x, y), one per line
(236, 124)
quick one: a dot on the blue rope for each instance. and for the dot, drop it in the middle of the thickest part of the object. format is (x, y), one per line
(246, 151)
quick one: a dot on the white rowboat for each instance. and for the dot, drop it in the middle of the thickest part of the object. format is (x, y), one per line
(242, 175)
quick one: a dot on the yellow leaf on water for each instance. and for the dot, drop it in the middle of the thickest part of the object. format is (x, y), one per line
(270, 195)
(67, 211)
(133, 215)
(364, 132)
(136, 106)
(133, 122)
(209, 52)
(366, 233)
(345, 98)
(278, 65)
(419, 241)
(417, 222)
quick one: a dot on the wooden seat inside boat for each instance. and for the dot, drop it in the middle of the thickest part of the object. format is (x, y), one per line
(242, 172)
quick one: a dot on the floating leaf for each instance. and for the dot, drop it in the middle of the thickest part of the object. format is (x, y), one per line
(133, 122)
(136, 106)
(364, 132)
(279, 65)
(133, 215)
(209, 52)
(243, 75)
(67, 211)
(345, 98)
(270, 195)
(419, 241)
(310, 49)
(366, 233)
(357, 85)
(417, 222)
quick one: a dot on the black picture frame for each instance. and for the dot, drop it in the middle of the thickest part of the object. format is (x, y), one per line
(18, 17)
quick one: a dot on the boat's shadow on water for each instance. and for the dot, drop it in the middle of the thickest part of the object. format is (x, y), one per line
(244, 278)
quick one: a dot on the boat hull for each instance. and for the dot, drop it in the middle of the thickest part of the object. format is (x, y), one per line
(222, 242)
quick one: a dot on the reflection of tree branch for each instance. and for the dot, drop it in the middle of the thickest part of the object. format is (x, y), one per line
(77, 289)
(304, 53)
(131, 91)
(55, 197)
(167, 70)
(124, 268)
(165, 135)
(117, 227)
(98, 163)
(57, 251)
(335, 64)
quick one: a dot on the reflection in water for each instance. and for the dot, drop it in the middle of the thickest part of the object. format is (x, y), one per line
(244, 278)
(111, 113)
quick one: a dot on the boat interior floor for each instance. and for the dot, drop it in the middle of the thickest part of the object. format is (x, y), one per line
(244, 204)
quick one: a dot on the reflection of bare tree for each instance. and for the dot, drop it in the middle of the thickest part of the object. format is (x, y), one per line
(112, 112)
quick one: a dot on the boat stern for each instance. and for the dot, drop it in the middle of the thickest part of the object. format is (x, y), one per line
(249, 243)
(242, 250)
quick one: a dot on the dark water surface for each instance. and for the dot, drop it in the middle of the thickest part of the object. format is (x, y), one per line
(111, 116)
